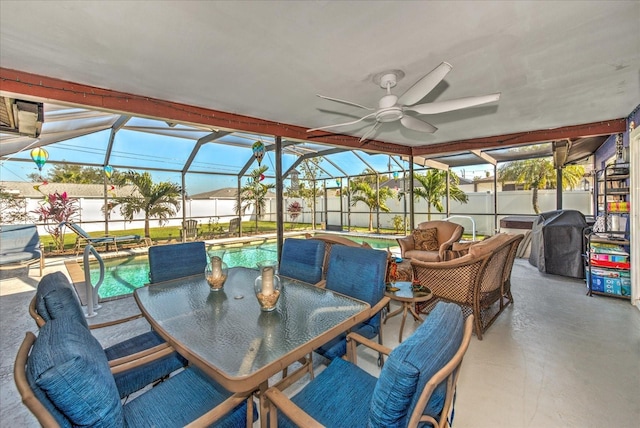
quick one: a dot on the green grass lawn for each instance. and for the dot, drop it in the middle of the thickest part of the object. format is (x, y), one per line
(172, 233)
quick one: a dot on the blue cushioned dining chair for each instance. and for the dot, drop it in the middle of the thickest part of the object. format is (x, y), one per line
(416, 385)
(302, 259)
(359, 273)
(64, 378)
(55, 298)
(167, 262)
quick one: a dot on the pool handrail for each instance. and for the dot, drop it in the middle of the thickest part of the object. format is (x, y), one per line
(92, 290)
(473, 223)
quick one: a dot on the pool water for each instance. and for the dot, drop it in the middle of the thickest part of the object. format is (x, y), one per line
(124, 274)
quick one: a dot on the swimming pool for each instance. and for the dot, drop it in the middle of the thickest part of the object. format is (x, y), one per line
(124, 274)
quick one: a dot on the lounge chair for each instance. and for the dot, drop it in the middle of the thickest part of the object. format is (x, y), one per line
(83, 238)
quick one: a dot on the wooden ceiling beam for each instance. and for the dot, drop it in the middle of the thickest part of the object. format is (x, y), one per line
(594, 129)
(53, 90)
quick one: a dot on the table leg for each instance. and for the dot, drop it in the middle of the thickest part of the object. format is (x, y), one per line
(415, 314)
(405, 308)
(392, 314)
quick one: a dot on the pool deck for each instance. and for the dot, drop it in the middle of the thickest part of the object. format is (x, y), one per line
(555, 358)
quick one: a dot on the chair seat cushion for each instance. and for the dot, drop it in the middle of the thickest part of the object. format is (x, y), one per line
(181, 399)
(425, 256)
(337, 347)
(68, 364)
(19, 256)
(139, 377)
(337, 397)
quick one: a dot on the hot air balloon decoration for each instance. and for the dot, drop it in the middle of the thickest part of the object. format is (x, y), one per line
(39, 156)
(258, 151)
(108, 171)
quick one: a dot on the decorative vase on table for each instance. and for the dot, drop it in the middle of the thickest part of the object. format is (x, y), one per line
(267, 288)
(216, 272)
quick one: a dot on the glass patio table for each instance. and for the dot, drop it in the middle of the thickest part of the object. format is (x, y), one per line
(226, 335)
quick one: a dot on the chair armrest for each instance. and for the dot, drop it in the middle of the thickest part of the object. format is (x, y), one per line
(219, 411)
(353, 339)
(321, 284)
(379, 306)
(114, 322)
(140, 358)
(277, 400)
(406, 244)
(446, 246)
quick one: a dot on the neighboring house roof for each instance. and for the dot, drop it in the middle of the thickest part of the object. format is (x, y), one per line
(27, 190)
(225, 193)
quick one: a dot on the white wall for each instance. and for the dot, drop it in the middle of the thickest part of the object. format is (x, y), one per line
(509, 203)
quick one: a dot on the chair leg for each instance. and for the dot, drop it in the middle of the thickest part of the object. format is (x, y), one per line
(478, 321)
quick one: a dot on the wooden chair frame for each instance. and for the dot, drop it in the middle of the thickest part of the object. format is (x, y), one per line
(47, 420)
(278, 400)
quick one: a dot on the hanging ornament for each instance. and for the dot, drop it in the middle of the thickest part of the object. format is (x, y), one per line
(261, 177)
(108, 170)
(395, 175)
(258, 151)
(338, 182)
(39, 156)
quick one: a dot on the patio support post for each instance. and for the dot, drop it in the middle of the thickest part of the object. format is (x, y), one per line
(495, 198)
(404, 200)
(184, 205)
(348, 203)
(377, 202)
(279, 197)
(411, 203)
(448, 193)
(239, 202)
(107, 211)
(559, 188)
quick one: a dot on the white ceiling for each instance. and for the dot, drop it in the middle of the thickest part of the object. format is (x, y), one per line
(556, 63)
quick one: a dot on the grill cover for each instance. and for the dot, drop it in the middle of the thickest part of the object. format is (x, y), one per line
(557, 243)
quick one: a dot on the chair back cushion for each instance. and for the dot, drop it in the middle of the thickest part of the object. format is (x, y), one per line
(357, 272)
(77, 229)
(69, 373)
(411, 365)
(19, 237)
(56, 298)
(167, 262)
(302, 259)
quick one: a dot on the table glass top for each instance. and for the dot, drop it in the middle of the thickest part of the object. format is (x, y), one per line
(227, 329)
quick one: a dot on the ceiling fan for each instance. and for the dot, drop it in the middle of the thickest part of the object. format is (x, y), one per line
(392, 108)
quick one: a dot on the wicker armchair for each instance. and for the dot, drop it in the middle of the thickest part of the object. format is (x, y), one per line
(447, 234)
(475, 281)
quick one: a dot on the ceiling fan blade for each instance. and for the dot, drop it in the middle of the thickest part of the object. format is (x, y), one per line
(371, 131)
(425, 85)
(338, 100)
(450, 105)
(417, 124)
(342, 124)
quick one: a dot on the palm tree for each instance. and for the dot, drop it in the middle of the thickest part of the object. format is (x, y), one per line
(434, 188)
(254, 194)
(159, 200)
(362, 191)
(537, 174)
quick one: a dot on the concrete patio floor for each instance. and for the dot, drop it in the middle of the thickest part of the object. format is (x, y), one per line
(555, 358)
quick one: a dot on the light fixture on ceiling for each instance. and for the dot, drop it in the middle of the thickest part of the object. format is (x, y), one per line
(560, 153)
(21, 117)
